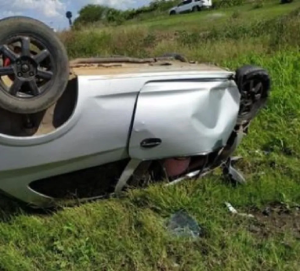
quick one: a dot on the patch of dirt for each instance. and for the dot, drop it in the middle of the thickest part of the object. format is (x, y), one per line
(276, 219)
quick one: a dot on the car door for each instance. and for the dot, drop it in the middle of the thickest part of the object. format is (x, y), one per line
(185, 6)
(189, 5)
(180, 7)
(198, 3)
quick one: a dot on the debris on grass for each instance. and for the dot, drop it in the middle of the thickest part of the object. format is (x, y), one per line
(267, 211)
(181, 224)
(234, 211)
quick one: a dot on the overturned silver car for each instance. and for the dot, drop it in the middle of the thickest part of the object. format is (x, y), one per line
(93, 127)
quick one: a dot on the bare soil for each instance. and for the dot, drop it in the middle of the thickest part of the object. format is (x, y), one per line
(276, 219)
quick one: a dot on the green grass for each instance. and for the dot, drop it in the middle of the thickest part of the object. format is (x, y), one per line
(130, 233)
(206, 19)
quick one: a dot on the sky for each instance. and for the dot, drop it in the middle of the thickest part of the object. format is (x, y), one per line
(52, 12)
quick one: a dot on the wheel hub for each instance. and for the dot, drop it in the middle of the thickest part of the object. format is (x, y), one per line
(251, 95)
(26, 68)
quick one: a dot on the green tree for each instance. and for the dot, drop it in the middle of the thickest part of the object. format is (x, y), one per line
(90, 14)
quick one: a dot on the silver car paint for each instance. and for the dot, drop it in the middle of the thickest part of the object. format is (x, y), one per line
(198, 118)
(97, 133)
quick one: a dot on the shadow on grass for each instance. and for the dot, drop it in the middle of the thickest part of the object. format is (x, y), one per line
(10, 208)
(69, 189)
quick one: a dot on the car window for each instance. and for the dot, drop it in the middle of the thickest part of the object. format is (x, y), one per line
(185, 2)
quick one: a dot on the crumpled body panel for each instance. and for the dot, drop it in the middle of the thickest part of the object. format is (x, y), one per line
(186, 118)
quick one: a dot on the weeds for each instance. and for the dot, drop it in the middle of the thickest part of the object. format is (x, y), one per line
(273, 34)
(259, 4)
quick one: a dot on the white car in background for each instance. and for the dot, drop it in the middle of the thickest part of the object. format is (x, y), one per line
(190, 6)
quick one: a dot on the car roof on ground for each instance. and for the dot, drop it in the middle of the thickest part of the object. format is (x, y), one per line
(115, 66)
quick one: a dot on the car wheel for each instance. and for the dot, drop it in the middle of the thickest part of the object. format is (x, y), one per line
(173, 13)
(195, 9)
(35, 62)
(254, 85)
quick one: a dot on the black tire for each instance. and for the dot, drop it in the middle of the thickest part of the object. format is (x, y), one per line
(172, 12)
(195, 9)
(254, 84)
(32, 76)
(176, 56)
